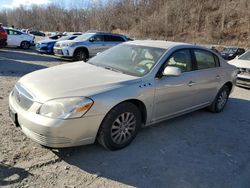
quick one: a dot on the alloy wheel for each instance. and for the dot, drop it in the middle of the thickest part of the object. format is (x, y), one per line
(123, 128)
(222, 99)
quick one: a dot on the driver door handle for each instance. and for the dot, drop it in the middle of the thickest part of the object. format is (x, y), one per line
(190, 83)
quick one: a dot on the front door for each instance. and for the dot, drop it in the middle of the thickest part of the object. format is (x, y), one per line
(174, 95)
(97, 45)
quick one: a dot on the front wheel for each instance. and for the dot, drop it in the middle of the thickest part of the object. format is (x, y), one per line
(80, 55)
(120, 126)
(220, 100)
(25, 45)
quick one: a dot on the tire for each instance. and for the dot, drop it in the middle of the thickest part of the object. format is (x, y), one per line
(114, 135)
(80, 55)
(220, 100)
(25, 45)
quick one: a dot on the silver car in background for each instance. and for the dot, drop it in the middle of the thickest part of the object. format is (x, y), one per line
(114, 94)
(87, 45)
(243, 64)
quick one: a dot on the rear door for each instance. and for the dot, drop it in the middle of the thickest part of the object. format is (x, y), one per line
(112, 40)
(207, 77)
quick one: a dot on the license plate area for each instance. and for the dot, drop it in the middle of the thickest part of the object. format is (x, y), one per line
(58, 51)
(13, 117)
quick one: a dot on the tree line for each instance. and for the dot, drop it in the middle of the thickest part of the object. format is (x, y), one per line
(197, 21)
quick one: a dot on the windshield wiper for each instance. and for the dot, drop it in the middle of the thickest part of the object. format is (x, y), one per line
(112, 69)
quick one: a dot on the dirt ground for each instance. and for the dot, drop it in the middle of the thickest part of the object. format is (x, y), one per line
(200, 149)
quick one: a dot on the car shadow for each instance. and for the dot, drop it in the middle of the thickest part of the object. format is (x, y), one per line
(16, 68)
(200, 149)
(16, 54)
(11, 175)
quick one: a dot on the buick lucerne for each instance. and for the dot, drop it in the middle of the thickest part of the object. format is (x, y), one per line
(114, 94)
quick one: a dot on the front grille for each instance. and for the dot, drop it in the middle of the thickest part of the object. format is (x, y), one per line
(58, 51)
(46, 140)
(22, 97)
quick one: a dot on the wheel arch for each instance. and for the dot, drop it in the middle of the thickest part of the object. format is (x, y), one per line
(82, 48)
(138, 103)
(229, 84)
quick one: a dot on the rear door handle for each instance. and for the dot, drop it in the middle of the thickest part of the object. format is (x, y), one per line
(217, 77)
(191, 83)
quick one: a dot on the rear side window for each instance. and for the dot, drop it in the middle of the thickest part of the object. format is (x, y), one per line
(111, 38)
(205, 59)
(13, 32)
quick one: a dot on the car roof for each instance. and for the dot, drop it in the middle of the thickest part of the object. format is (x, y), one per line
(104, 33)
(158, 43)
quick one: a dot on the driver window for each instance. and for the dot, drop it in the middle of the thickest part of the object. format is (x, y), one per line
(181, 59)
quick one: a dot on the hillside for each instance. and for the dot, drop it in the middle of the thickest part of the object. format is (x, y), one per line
(224, 22)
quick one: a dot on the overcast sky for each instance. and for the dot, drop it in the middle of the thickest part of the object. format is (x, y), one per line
(27, 3)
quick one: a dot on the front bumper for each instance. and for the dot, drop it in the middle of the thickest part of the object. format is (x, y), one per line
(64, 51)
(243, 80)
(55, 133)
(44, 48)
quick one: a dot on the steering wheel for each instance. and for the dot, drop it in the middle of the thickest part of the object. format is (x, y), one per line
(147, 63)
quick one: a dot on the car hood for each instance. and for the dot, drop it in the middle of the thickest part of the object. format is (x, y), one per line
(47, 41)
(73, 79)
(240, 63)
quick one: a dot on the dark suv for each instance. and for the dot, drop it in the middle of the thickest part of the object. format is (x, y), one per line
(3, 37)
(231, 53)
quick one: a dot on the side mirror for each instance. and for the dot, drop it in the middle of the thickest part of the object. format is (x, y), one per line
(91, 40)
(171, 71)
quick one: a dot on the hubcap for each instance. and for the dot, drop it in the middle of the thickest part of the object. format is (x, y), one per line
(222, 100)
(123, 128)
(25, 45)
(80, 55)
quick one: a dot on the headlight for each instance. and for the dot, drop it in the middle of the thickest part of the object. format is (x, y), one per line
(71, 44)
(66, 108)
(231, 54)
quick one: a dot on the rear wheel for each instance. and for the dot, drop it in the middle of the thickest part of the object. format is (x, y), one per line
(120, 126)
(80, 55)
(220, 101)
(25, 45)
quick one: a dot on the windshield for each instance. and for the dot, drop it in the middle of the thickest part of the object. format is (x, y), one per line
(68, 37)
(129, 59)
(229, 50)
(245, 56)
(84, 37)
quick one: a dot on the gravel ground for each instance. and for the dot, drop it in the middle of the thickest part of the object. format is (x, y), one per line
(200, 149)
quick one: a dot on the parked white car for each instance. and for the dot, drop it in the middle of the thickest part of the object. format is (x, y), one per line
(243, 64)
(18, 38)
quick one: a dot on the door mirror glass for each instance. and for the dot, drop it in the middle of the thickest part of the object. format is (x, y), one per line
(171, 71)
(91, 40)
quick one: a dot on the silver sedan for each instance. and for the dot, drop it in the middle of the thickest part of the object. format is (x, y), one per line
(110, 97)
